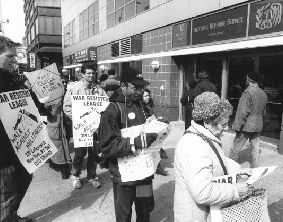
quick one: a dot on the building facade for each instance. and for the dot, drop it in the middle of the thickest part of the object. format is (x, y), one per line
(169, 41)
(43, 33)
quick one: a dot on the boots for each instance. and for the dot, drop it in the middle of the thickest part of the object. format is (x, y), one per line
(65, 171)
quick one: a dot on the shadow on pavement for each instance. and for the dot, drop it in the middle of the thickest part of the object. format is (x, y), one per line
(79, 198)
(276, 211)
(164, 202)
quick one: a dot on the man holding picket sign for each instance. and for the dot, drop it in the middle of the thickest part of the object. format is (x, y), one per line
(86, 86)
(14, 178)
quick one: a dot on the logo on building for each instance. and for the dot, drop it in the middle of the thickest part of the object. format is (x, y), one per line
(268, 16)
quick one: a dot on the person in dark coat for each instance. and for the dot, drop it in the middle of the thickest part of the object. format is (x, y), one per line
(248, 121)
(14, 178)
(187, 101)
(125, 110)
(204, 85)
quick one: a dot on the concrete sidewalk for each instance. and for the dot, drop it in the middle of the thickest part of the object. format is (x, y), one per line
(50, 198)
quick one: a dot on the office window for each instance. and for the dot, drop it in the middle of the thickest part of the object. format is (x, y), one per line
(120, 10)
(69, 34)
(49, 25)
(48, 3)
(89, 21)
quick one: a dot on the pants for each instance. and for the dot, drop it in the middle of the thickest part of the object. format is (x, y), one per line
(78, 161)
(14, 183)
(240, 140)
(124, 196)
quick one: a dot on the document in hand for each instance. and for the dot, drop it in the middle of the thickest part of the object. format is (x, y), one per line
(260, 172)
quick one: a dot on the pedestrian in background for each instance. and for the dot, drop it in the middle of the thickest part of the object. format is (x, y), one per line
(14, 178)
(57, 133)
(111, 83)
(204, 85)
(125, 110)
(199, 158)
(149, 111)
(248, 121)
(187, 101)
(86, 86)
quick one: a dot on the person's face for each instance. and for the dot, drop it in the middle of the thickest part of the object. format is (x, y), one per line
(134, 92)
(89, 75)
(146, 97)
(219, 128)
(7, 59)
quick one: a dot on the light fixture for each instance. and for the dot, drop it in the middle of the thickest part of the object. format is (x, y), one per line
(77, 69)
(64, 70)
(155, 65)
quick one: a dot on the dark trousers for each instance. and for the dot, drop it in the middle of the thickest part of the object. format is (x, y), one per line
(14, 183)
(124, 196)
(78, 161)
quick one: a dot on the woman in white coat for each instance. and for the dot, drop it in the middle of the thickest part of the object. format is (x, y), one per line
(196, 163)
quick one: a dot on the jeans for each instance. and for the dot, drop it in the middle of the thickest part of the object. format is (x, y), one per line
(240, 140)
(78, 161)
(14, 183)
(124, 196)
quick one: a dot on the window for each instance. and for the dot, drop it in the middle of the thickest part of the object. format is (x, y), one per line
(120, 10)
(89, 21)
(69, 34)
(49, 25)
(49, 3)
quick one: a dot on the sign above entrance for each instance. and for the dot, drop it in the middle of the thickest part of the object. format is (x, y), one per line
(89, 54)
(265, 17)
(181, 34)
(230, 24)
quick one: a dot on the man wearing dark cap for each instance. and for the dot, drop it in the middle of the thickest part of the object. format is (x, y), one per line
(248, 121)
(125, 110)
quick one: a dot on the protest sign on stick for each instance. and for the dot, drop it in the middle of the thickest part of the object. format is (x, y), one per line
(25, 130)
(86, 111)
(47, 84)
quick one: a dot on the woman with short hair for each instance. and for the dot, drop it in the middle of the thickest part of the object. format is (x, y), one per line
(197, 163)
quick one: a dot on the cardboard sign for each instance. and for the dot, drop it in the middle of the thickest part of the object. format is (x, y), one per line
(27, 134)
(47, 84)
(86, 111)
(144, 163)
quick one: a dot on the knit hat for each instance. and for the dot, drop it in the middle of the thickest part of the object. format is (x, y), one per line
(132, 75)
(208, 106)
(254, 77)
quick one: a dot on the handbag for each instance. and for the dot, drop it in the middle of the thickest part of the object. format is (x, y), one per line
(253, 209)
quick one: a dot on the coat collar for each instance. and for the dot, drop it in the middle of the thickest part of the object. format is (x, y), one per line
(196, 128)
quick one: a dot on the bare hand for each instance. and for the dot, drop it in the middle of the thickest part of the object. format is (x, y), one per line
(244, 190)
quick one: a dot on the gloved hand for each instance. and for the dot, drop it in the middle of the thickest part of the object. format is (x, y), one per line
(144, 140)
(163, 119)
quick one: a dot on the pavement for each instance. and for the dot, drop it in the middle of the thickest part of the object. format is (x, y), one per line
(50, 198)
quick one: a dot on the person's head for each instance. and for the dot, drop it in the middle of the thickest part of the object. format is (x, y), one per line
(146, 96)
(89, 73)
(132, 83)
(202, 75)
(253, 77)
(192, 84)
(103, 77)
(7, 53)
(112, 72)
(212, 112)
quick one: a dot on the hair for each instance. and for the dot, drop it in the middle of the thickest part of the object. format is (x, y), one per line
(151, 104)
(112, 72)
(87, 66)
(103, 77)
(6, 43)
(203, 75)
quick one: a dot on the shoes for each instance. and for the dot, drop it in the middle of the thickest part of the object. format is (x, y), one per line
(76, 182)
(161, 171)
(54, 166)
(95, 182)
(23, 219)
(65, 172)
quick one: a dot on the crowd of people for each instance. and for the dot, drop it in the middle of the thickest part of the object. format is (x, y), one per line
(198, 158)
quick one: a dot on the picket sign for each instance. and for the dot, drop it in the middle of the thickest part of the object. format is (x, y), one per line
(47, 84)
(143, 164)
(26, 131)
(86, 111)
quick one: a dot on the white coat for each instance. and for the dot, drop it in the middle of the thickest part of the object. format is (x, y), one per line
(196, 165)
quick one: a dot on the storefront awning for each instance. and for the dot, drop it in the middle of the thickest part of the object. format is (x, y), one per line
(72, 66)
(243, 44)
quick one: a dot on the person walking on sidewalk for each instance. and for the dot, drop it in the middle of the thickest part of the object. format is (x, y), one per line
(14, 178)
(125, 110)
(86, 86)
(248, 121)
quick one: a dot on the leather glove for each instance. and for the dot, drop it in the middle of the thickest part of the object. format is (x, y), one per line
(144, 140)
